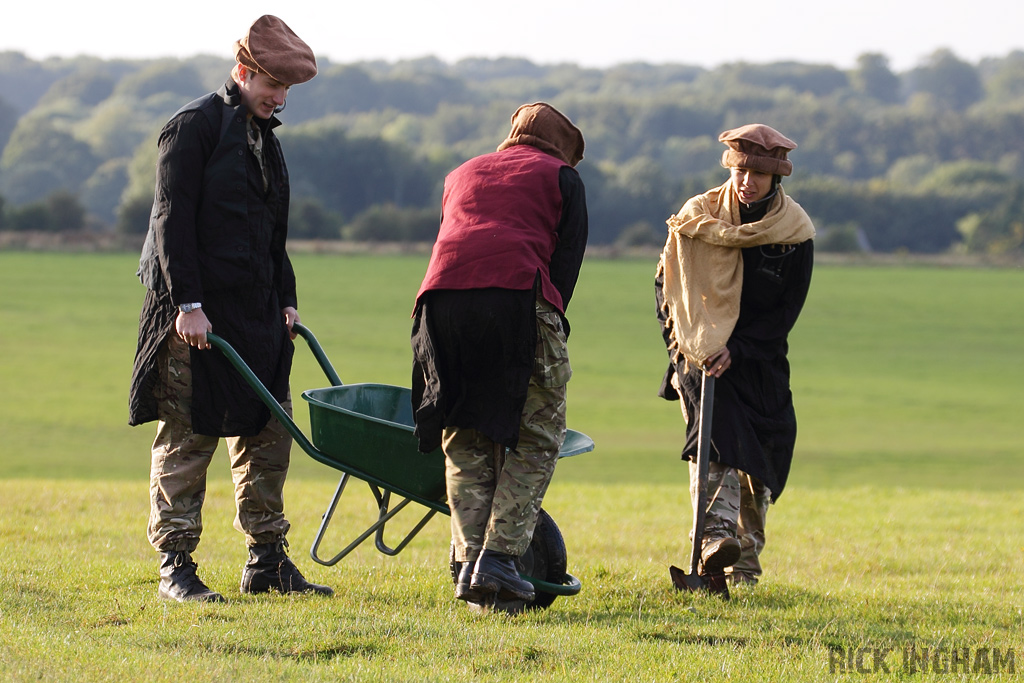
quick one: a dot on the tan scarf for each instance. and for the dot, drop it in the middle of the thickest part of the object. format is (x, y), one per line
(702, 265)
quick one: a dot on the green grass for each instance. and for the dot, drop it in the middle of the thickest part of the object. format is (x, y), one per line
(894, 369)
(890, 568)
(901, 527)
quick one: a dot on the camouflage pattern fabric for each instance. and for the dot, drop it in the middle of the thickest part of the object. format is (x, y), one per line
(754, 500)
(737, 507)
(551, 364)
(495, 494)
(180, 460)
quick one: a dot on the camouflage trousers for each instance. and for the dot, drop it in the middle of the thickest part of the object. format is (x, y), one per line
(495, 494)
(180, 460)
(737, 507)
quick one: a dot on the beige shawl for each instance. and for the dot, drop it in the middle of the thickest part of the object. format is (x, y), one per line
(702, 265)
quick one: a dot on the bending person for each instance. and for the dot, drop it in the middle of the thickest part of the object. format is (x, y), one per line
(489, 342)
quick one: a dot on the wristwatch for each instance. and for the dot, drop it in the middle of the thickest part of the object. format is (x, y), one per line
(188, 308)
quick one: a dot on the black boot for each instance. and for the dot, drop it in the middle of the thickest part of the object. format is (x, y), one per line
(269, 568)
(179, 581)
(463, 583)
(496, 573)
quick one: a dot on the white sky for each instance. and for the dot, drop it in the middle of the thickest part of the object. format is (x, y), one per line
(594, 33)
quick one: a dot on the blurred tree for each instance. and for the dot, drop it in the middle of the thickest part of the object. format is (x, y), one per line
(999, 230)
(817, 79)
(37, 145)
(60, 211)
(138, 190)
(389, 223)
(968, 176)
(23, 81)
(951, 82)
(101, 193)
(890, 220)
(839, 239)
(8, 121)
(375, 133)
(640, 234)
(66, 212)
(654, 122)
(337, 90)
(173, 77)
(87, 86)
(482, 70)
(682, 157)
(874, 78)
(308, 220)
(907, 173)
(115, 128)
(133, 215)
(1006, 84)
(351, 174)
(31, 217)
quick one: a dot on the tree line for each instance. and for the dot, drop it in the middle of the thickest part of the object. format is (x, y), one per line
(929, 160)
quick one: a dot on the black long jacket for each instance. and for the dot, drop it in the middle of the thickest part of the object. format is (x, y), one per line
(217, 236)
(753, 427)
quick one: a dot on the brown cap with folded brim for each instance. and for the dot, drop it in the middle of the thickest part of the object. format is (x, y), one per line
(759, 148)
(270, 47)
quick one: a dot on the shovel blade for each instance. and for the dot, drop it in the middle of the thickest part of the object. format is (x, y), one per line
(714, 584)
(685, 582)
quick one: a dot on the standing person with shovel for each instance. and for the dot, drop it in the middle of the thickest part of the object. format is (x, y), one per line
(730, 284)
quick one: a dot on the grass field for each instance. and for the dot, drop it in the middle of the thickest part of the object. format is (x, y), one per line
(901, 530)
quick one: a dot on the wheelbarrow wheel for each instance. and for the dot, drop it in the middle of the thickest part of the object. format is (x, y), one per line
(545, 559)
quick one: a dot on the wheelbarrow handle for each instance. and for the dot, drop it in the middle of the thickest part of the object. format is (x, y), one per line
(261, 390)
(318, 353)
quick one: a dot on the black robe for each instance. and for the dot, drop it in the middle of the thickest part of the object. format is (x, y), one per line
(754, 424)
(217, 236)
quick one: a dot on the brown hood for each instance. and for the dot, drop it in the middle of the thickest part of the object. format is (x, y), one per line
(542, 126)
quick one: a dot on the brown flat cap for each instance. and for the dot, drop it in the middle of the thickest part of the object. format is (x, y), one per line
(542, 126)
(270, 47)
(759, 148)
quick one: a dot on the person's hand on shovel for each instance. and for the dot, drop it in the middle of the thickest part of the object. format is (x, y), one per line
(718, 363)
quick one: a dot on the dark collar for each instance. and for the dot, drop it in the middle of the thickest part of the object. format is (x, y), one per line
(233, 98)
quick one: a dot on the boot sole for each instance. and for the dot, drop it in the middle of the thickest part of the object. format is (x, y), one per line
(492, 584)
(199, 597)
(465, 591)
(325, 592)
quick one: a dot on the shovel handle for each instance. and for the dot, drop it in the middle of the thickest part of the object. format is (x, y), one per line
(707, 405)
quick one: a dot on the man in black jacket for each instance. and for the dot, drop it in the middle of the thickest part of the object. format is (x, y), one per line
(215, 259)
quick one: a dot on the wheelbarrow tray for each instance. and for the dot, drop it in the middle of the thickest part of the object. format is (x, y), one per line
(369, 428)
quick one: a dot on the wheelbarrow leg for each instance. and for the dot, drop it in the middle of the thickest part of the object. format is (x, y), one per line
(385, 514)
(325, 521)
(383, 502)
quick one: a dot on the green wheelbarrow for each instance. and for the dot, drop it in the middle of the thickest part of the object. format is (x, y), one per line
(366, 432)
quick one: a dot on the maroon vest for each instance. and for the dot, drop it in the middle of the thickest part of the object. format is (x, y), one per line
(500, 216)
